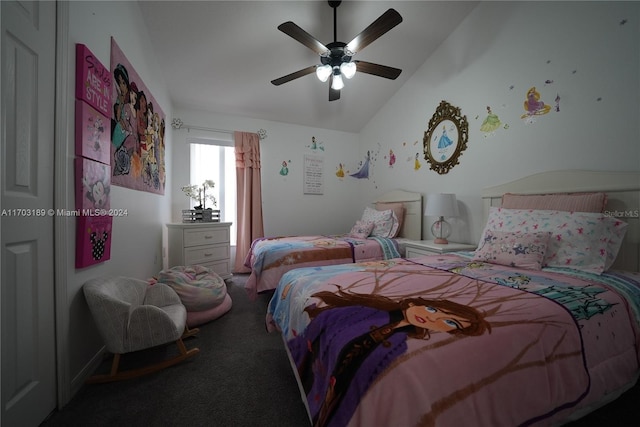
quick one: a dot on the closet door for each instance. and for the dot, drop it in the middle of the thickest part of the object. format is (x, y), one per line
(28, 368)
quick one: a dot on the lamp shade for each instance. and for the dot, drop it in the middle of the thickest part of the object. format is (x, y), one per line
(442, 204)
(323, 72)
(348, 69)
(337, 82)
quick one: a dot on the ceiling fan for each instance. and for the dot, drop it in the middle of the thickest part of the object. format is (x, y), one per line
(336, 58)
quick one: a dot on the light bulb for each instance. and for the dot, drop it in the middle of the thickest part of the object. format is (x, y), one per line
(348, 69)
(323, 72)
(337, 82)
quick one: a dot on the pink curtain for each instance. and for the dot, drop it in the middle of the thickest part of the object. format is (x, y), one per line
(250, 226)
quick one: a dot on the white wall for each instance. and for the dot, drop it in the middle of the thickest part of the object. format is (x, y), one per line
(286, 210)
(136, 248)
(580, 46)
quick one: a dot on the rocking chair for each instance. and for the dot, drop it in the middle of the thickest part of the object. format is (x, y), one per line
(132, 315)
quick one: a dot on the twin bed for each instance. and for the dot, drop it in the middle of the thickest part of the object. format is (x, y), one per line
(535, 327)
(269, 258)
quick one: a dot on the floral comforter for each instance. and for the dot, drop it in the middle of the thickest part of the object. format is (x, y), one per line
(444, 341)
(269, 258)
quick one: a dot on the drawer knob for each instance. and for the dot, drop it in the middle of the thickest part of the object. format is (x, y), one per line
(206, 236)
(208, 255)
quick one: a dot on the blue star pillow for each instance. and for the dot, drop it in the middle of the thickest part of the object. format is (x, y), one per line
(514, 249)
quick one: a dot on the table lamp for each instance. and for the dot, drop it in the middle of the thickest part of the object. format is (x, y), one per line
(441, 205)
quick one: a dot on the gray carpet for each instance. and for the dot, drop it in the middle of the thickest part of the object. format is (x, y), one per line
(241, 377)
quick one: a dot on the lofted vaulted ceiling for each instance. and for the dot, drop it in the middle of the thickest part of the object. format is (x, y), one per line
(220, 56)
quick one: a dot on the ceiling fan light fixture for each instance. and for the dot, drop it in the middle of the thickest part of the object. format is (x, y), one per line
(348, 69)
(336, 57)
(323, 72)
(337, 82)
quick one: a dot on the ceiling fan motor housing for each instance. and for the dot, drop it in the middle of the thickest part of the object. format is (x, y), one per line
(337, 55)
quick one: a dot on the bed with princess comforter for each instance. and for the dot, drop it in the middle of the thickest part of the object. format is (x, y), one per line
(374, 236)
(270, 258)
(535, 327)
(445, 340)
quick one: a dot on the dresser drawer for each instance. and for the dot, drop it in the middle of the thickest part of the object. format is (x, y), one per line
(205, 254)
(222, 267)
(413, 252)
(205, 236)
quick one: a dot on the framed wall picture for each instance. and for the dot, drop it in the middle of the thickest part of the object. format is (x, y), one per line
(446, 138)
(137, 129)
(93, 137)
(93, 81)
(93, 185)
(93, 240)
(313, 175)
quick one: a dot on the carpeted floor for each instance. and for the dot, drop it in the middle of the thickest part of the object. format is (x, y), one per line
(241, 377)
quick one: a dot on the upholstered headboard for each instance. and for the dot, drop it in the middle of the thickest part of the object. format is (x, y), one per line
(623, 200)
(412, 224)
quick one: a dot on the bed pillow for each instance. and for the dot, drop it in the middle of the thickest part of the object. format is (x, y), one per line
(390, 229)
(574, 202)
(522, 250)
(385, 222)
(586, 241)
(361, 229)
(398, 209)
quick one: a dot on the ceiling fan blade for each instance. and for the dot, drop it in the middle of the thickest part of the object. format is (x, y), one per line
(292, 30)
(295, 75)
(377, 28)
(334, 95)
(377, 70)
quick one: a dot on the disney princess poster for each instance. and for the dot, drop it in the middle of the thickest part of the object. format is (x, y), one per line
(93, 185)
(92, 133)
(93, 240)
(137, 129)
(444, 141)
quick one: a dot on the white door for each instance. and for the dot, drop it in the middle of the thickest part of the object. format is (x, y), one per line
(27, 74)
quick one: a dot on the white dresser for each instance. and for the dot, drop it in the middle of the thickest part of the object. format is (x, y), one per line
(201, 243)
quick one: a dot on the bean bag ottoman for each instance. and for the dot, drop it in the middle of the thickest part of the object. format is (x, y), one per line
(202, 292)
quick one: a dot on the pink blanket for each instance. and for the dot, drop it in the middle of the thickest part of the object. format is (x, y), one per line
(270, 258)
(446, 341)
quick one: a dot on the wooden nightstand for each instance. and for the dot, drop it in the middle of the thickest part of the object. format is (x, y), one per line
(416, 248)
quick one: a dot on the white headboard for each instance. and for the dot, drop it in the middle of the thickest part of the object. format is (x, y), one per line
(412, 223)
(623, 200)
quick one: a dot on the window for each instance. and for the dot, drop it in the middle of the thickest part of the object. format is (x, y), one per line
(215, 159)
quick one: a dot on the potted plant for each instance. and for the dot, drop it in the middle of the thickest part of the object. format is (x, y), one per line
(199, 194)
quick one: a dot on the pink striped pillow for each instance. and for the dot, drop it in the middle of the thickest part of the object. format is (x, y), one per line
(569, 202)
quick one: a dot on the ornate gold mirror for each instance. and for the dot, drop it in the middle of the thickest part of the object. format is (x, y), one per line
(446, 138)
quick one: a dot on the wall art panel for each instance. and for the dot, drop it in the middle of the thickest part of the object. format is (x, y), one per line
(137, 129)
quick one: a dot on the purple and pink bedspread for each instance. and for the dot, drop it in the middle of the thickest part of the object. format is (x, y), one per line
(444, 341)
(269, 258)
